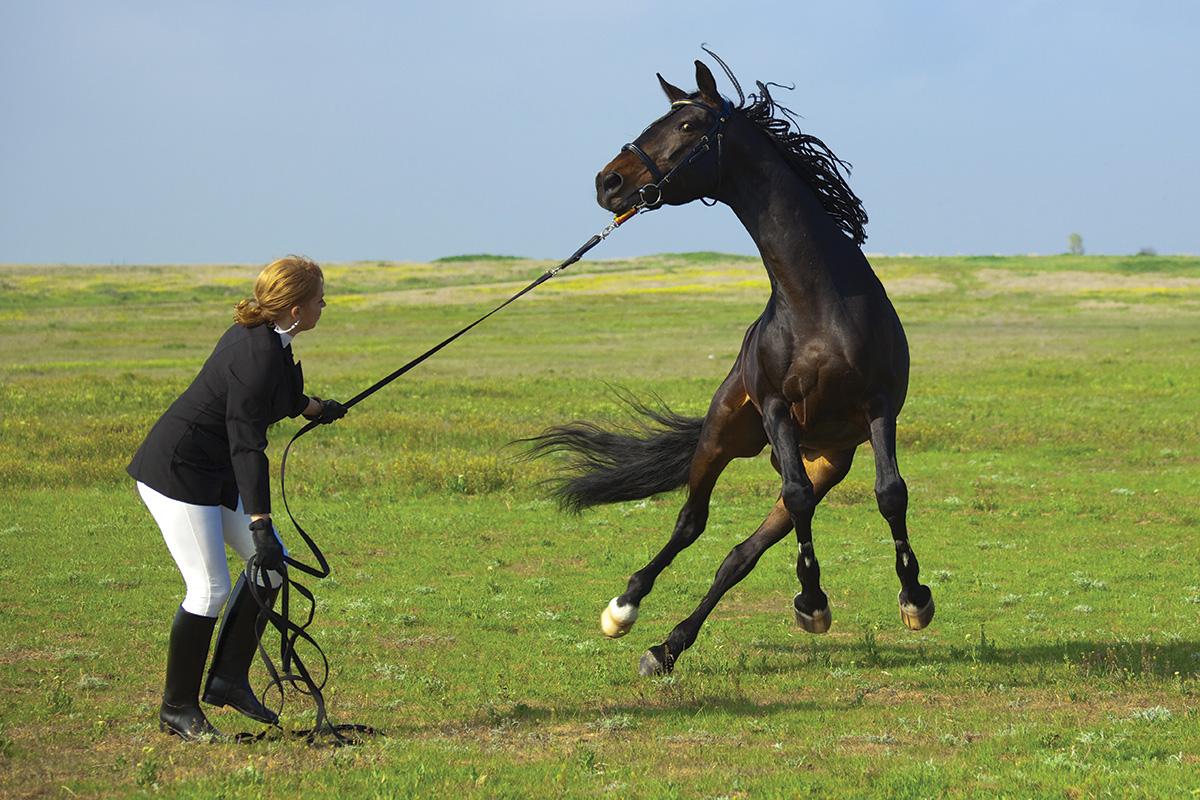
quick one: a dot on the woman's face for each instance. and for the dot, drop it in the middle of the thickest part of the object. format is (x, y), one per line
(309, 313)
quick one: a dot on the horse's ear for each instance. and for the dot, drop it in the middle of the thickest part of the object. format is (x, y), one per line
(673, 92)
(707, 84)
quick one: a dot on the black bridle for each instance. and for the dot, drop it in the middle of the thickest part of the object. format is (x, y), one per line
(651, 193)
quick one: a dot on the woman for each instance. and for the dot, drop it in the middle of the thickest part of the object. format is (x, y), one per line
(202, 471)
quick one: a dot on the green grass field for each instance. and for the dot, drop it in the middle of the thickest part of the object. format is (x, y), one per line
(1049, 444)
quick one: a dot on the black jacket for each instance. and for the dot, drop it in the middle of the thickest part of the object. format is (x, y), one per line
(209, 446)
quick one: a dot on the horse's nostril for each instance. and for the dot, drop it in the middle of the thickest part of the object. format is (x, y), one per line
(612, 182)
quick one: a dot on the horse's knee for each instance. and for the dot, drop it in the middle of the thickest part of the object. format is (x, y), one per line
(799, 499)
(892, 497)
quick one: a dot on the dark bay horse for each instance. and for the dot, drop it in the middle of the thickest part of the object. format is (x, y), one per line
(823, 369)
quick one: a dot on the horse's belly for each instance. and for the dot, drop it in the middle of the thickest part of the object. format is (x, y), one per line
(830, 432)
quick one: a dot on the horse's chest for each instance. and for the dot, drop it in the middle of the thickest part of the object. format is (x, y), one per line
(816, 378)
(816, 375)
(825, 393)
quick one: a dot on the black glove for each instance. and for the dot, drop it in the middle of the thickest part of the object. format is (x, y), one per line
(267, 549)
(331, 410)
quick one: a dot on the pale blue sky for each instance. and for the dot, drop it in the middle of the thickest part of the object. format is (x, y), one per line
(152, 132)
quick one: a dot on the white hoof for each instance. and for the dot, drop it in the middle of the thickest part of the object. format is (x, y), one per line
(616, 620)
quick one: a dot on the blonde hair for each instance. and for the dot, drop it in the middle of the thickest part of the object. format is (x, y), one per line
(283, 283)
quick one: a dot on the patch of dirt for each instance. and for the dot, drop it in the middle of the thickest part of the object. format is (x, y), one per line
(916, 284)
(23, 655)
(1102, 305)
(1067, 282)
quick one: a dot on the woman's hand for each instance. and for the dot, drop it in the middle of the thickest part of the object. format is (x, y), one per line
(331, 410)
(324, 411)
(267, 549)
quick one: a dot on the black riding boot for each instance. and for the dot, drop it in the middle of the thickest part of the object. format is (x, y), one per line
(228, 679)
(180, 713)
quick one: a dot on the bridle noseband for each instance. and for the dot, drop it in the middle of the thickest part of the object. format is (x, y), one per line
(651, 193)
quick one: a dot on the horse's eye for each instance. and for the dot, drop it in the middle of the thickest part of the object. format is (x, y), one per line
(687, 127)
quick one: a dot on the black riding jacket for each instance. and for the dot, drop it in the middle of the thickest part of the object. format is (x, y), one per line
(209, 447)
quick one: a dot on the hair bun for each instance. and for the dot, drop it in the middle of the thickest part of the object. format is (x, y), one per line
(283, 283)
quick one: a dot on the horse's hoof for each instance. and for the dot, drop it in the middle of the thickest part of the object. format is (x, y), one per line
(816, 622)
(915, 618)
(616, 619)
(656, 661)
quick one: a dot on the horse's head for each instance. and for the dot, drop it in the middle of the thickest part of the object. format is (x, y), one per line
(677, 158)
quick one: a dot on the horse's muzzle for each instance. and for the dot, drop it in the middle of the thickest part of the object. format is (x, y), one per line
(609, 191)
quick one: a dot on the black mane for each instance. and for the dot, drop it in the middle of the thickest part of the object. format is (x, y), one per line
(813, 159)
(809, 156)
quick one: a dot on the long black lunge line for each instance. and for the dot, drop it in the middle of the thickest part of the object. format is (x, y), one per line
(292, 669)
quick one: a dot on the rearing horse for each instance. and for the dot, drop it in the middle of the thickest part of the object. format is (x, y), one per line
(823, 369)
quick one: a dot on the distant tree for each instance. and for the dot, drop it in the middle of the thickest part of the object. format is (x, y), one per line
(1147, 251)
(1075, 244)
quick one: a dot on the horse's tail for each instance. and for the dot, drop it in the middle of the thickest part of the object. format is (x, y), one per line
(627, 463)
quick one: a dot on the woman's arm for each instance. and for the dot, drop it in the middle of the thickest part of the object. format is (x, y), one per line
(246, 420)
(313, 408)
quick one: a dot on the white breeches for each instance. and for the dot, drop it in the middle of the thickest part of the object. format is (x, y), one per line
(196, 536)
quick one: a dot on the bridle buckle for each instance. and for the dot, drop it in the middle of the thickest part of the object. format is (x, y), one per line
(651, 196)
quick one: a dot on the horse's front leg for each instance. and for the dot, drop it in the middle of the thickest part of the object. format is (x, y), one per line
(916, 601)
(825, 470)
(800, 498)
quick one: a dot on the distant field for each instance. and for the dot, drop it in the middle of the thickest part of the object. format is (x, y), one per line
(1050, 444)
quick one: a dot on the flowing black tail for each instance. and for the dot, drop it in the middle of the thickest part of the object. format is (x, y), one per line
(606, 466)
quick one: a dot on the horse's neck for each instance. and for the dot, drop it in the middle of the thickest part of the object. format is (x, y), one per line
(800, 244)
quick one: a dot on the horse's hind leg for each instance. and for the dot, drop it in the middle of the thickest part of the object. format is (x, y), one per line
(794, 507)
(825, 470)
(737, 565)
(732, 429)
(916, 601)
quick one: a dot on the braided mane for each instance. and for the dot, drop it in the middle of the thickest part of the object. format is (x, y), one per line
(809, 156)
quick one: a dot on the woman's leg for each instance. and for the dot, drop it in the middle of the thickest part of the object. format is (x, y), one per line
(193, 535)
(228, 679)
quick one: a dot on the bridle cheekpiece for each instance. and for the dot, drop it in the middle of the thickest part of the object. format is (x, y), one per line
(650, 194)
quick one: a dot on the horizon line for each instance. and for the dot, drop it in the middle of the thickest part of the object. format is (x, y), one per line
(460, 257)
